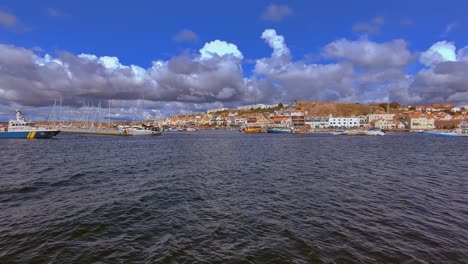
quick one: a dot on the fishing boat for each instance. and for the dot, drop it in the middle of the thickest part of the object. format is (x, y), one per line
(23, 128)
(252, 129)
(280, 130)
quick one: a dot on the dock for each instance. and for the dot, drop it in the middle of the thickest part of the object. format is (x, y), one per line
(97, 131)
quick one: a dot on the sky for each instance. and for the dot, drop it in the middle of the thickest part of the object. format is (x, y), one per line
(156, 58)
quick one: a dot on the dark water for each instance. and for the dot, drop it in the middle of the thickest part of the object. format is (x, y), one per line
(225, 197)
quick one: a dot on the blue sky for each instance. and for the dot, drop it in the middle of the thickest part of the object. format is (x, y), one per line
(142, 32)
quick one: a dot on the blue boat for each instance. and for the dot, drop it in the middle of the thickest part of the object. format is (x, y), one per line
(22, 128)
(280, 130)
(441, 134)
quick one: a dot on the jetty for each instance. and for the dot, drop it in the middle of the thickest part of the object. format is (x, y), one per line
(98, 131)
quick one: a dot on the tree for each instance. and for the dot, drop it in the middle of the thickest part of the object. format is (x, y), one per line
(383, 105)
(394, 105)
(412, 108)
(280, 105)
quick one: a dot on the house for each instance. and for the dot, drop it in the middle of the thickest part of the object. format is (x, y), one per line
(443, 116)
(343, 121)
(372, 117)
(261, 120)
(387, 124)
(464, 125)
(317, 121)
(455, 109)
(297, 118)
(418, 120)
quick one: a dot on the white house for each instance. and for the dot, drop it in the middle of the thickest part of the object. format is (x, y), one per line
(317, 121)
(455, 109)
(372, 117)
(343, 121)
(255, 106)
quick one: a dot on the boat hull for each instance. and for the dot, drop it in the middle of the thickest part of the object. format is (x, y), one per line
(30, 134)
(280, 131)
(145, 133)
(441, 134)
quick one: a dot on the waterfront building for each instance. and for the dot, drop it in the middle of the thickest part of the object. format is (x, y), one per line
(346, 122)
(418, 120)
(372, 117)
(317, 121)
(387, 124)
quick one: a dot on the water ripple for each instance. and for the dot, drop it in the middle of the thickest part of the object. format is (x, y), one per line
(225, 197)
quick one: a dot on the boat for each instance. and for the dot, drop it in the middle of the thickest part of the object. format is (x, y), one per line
(23, 128)
(252, 129)
(373, 132)
(280, 130)
(338, 133)
(456, 133)
(191, 129)
(143, 130)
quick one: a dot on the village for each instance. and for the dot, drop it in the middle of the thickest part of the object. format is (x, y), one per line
(325, 116)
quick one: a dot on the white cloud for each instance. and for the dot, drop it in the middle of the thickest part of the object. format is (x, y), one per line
(219, 48)
(369, 54)
(439, 52)
(276, 42)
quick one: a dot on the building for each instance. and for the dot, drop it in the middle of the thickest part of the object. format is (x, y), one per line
(344, 121)
(418, 120)
(387, 124)
(317, 121)
(297, 118)
(455, 109)
(255, 106)
(372, 117)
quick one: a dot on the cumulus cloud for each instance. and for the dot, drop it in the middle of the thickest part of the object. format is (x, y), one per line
(220, 48)
(369, 27)
(286, 79)
(276, 13)
(185, 35)
(439, 52)
(355, 71)
(369, 54)
(445, 78)
(213, 75)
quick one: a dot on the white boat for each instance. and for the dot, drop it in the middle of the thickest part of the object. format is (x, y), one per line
(23, 128)
(338, 133)
(191, 129)
(144, 130)
(373, 132)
